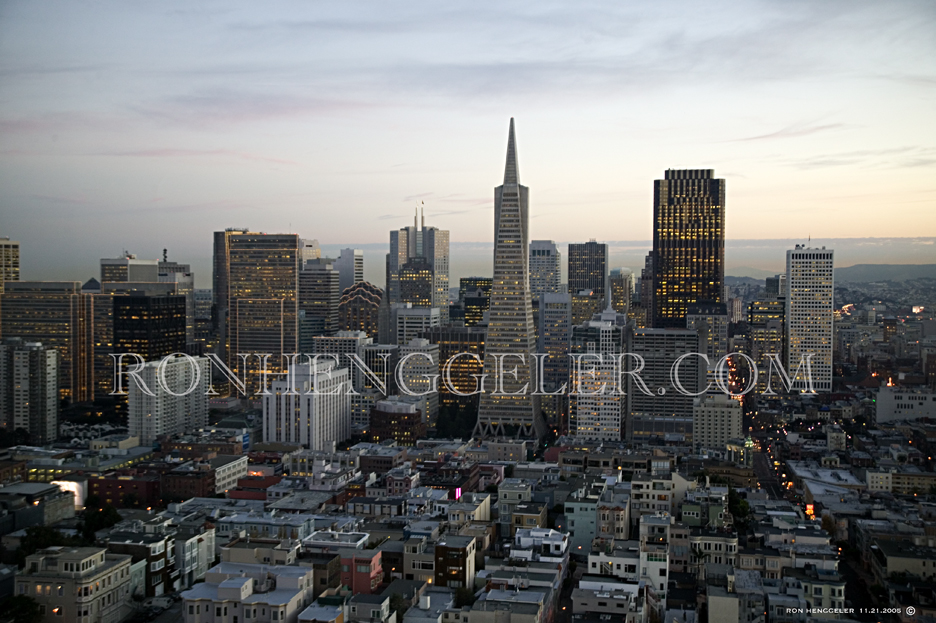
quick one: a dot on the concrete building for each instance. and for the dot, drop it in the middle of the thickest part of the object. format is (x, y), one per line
(318, 416)
(77, 585)
(809, 317)
(411, 322)
(29, 390)
(511, 328)
(176, 401)
(904, 403)
(716, 419)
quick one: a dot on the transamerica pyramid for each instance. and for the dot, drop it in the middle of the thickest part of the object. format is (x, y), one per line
(508, 406)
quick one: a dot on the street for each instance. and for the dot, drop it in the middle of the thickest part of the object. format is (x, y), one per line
(766, 476)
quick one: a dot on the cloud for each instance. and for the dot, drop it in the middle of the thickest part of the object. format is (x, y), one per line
(797, 130)
(186, 153)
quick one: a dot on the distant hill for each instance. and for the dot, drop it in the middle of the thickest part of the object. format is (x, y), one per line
(864, 273)
(736, 281)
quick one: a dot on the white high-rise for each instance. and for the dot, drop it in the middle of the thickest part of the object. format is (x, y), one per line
(809, 315)
(511, 403)
(159, 412)
(314, 411)
(545, 267)
(420, 373)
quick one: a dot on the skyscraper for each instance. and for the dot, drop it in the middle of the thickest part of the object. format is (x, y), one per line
(319, 298)
(545, 267)
(688, 244)
(185, 286)
(350, 267)
(588, 267)
(219, 282)
(29, 389)
(766, 321)
(60, 316)
(420, 241)
(263, 311)
(510, 330)
(809, 306)
(151, 326)
(417, 283)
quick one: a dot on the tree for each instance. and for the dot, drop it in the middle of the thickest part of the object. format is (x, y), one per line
(22, 609)
(130, 500)
(398, 605)
(98, 519)
(464, 597)
(828, 524)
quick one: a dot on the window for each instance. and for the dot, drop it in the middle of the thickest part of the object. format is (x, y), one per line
(191, 609)
(218, 611)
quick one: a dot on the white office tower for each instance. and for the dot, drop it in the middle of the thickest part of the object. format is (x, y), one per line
(339, 347)
(511, 403)
(657, 408)
(436, 251)
(176, 404)
(129, 268)
(716, 419)
(29, 388)
(809, 306)
(411, 322)
(185, 286)
(545, 268)
(350, 267)
(596, 408)
(419, 371)
(313, 410)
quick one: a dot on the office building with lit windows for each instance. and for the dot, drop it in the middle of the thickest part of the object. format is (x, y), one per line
(688, 244)
(463, 371)
(511, 325)
(588, 267)
(809, 317)
(60, 316)
(554, 318)
(416, 283)
(9, 261)
(319, 300)
(263, 303)
(622, 289)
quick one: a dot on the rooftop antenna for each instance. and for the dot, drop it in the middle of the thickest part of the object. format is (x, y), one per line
(423, 205)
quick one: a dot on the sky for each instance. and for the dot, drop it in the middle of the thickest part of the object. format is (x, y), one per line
(144, 126)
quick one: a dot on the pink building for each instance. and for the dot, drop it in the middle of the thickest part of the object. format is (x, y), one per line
(361, 570)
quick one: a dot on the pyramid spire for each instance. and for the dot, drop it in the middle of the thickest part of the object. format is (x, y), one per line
(511, 171)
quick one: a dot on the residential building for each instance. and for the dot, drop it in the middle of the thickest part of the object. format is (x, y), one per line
(77, 584)
(157, 550)
(455, 561)
(596, 408)
(29, 389)
(716, 419)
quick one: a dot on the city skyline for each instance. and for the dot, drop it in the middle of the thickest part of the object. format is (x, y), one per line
(247, 115)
